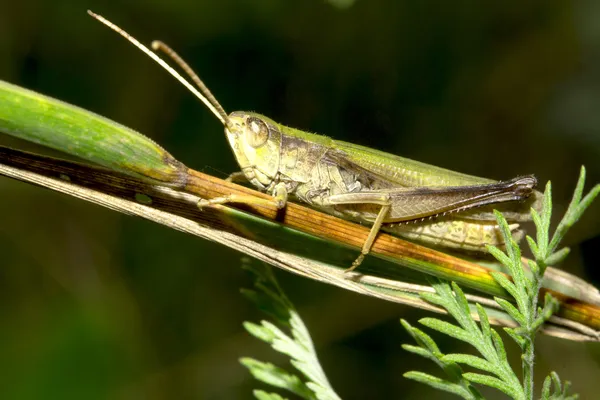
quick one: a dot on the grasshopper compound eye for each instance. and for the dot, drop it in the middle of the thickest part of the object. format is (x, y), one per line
(257, 132)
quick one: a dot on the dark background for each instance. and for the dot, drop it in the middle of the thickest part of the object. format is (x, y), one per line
(94, 304)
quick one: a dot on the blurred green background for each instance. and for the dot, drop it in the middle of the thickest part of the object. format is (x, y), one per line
(97, 305)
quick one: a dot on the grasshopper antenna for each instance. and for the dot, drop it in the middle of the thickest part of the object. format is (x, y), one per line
(206, 96)
(162, 46)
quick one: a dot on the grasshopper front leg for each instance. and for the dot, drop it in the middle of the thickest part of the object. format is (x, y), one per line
(279, 199)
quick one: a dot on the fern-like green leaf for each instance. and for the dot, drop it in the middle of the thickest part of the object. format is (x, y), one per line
(278, 377)
(532, 244)
(441, 384)
(420, 351)
(472, 361)
(511, 310)
(498, 255)
(557, 391)
(499, 346)
(484, 322)
(259, 332)
(262, 395)
(422, 338)
(446, 328)
(505, 283)
(496, 383)
(558, 256)
(524, 289)
(297, 345)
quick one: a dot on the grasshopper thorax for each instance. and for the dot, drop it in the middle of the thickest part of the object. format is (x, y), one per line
(256, 144)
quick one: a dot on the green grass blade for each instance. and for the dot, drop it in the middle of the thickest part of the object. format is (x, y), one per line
(40, 119)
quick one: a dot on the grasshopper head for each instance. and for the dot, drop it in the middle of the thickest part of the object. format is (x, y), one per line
(256, 143)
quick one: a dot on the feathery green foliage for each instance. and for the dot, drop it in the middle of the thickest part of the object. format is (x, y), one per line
(428, 348)
(269, 298)
(559, 392)
(524, 288)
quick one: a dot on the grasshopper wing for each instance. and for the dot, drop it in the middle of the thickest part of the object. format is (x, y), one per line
(403, 171)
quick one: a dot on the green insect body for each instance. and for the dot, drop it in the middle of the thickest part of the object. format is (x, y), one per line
(415, 200)
(312, 168)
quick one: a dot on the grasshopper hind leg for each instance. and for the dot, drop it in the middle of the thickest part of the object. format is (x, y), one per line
(366, 248)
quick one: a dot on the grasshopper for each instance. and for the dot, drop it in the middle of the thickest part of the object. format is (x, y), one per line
(420, 202)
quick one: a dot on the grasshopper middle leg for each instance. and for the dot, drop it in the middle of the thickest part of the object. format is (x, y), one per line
(378, 198)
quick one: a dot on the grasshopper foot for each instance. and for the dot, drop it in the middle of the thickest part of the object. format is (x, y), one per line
(356, 263)
(203, 203)
(211, 202)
